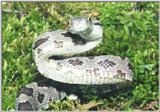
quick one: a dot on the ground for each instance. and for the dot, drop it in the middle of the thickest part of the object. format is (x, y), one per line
(130, 30)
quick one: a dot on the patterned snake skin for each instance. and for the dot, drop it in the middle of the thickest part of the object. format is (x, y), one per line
(54, 54)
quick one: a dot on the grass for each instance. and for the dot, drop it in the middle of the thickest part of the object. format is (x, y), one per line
(130, 30)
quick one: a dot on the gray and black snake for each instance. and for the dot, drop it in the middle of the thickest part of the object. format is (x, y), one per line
(54, 52)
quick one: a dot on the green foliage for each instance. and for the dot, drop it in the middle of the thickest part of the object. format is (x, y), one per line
(130, 30)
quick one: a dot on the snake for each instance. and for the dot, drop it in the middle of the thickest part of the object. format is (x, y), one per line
(56, 55)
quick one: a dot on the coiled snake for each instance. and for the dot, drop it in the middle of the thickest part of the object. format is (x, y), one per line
(54, 52)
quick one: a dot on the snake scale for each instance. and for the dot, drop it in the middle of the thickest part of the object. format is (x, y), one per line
(54, 54)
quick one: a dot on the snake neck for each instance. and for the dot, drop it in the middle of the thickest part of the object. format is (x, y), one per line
(95, 32)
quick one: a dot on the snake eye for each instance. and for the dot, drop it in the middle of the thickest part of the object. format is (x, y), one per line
(89, 19)
(69, 22)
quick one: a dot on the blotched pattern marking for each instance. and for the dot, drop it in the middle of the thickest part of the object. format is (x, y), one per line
(90, 57)
(76, 39)
(25, 106)
(58, 43)
(75, 62)
(27, 91)
(40, 97)
(39, 42)
(106, 63)
(39, 51)
(130, 66)
(120, 74)
(59, 66)
(94, 71)
(98, 24)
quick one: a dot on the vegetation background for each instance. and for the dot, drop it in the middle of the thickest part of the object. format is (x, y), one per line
(130, 30)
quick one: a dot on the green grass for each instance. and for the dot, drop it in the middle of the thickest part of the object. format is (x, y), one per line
(130, 30)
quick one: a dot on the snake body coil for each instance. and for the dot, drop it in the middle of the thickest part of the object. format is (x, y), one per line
(54, 52)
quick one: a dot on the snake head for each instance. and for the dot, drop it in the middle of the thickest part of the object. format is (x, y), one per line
(80, 25)
(85, 27)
